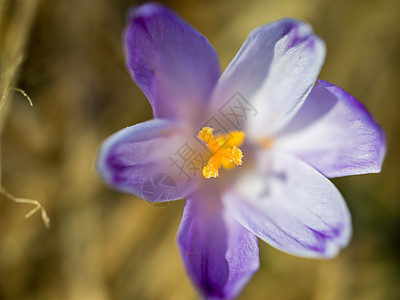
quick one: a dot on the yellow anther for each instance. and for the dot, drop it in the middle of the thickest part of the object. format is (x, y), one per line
(225, 150)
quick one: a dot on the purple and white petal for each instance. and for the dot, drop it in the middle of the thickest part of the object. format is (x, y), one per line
(291, 206)
(173, 64)
(335, 134)
(219, 254)
(137, 160)
(274, 71)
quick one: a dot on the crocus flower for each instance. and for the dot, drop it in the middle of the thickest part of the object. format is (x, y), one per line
(265, 134)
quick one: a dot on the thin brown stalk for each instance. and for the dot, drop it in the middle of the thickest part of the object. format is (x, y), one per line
(14, 33)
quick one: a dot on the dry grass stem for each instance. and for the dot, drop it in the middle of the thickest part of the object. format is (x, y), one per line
(36, 203)
(24, 94)
(12, 45)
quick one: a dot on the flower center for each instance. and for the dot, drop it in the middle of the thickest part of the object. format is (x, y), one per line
(224, 148)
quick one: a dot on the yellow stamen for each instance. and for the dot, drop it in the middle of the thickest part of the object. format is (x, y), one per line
(224, 148)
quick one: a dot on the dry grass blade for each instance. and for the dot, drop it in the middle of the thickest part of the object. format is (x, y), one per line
(12, 44)
(24, 94)
(36, 203)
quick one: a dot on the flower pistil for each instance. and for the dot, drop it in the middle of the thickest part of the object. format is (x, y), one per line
(224, 148)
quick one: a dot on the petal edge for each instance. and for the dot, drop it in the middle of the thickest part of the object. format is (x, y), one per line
(335, 133)
(292, 207)
(174, 64)
(219, 254)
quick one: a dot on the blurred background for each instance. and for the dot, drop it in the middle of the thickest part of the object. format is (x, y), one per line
(67, 56)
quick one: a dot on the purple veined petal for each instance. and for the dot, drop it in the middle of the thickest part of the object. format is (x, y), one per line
(274, 71)
(220, 255)
(292, 207)
(335, 134)
(137, 160)
(174, 65)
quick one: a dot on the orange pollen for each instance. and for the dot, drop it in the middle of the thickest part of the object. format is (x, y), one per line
(266, 143)
(225, 150)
